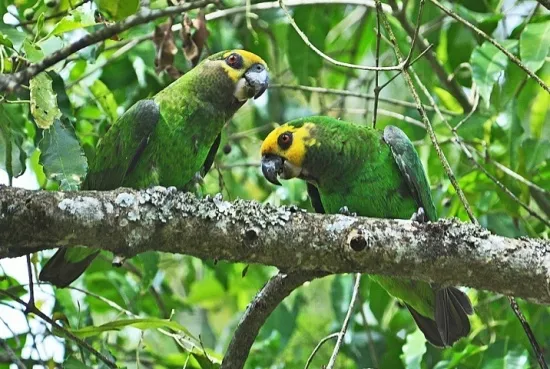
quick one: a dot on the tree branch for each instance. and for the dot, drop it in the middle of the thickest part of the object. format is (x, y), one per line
(128, 222)
(10, 82)
(257, 312)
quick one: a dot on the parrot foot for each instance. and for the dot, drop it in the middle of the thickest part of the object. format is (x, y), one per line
(345, 211)
(419, 216)
(198, 178)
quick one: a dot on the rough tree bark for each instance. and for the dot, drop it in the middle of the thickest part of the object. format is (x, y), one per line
(128, 222)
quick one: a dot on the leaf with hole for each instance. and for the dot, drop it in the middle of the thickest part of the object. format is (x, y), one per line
(62, 157)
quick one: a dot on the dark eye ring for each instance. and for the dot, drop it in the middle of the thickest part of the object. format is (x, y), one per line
(285, 140)
(234, 61)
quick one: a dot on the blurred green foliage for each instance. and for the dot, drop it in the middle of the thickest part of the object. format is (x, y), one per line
(129, 306)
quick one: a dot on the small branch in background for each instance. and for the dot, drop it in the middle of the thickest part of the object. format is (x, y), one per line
(33, 309)
(54, 16)
(9, 83)
(491, 40)
(451, 85)
(498, 183)
(377, 62)
(333, 91)
(545, 3)
(117, 54)
(325, 339)
(12, 355)
(370, 339)
(291, 3)
(342, 333)
(384, 112)
(530, 335)
(31, 285)
(516, 176)
(306, 40)
(257, 312)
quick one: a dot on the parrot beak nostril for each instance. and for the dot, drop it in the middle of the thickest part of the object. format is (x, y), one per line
(272, 166)
(257, 78)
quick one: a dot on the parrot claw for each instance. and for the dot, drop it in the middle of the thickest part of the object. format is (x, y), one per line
(345, 211)
(419, 216)
(198, 178)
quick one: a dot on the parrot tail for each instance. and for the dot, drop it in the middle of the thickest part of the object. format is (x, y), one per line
(428, 327)
(452, 308)
(451, 322)
(61, 272)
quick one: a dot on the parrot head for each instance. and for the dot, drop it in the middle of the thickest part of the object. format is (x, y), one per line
(284, 151)
(247, 72)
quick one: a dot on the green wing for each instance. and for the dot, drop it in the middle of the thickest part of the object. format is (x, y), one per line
(119, 150)
(409, 164)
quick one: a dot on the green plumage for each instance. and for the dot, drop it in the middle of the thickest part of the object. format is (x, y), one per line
(378, 174)
(168, 140)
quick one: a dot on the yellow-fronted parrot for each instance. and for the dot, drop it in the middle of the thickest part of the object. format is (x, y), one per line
(170, 139)
(374, 173)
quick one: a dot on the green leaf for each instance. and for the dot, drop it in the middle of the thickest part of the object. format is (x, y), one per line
(488, 65)
(14, 36)
(33, 52)
(62, 157)
(72, 363)
(43, 101)
(4, 40)
(413, 350)
(536, 152)
(534, 45)
(139, 323)
(149, 262)
(304, 62)
(75, 20)
(106, 99)
(12, 138)
(118, 9)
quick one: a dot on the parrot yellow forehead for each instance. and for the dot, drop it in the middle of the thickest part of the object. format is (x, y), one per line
(248, 60)
(295, 152)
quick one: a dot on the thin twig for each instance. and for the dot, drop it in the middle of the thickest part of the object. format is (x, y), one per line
(370, 340)
(451, 85)
(33, 309)
(325, 339)
(11, 82)
(291, 3)
(123, 50)
(377, 63)
(12, 355)
(384, 112)
(306, 40)
(342, 333)
(333, 91)
(491, 40)
(31, 285)
(53, 16)
(498, 183)
(530, 335)
(425, 119)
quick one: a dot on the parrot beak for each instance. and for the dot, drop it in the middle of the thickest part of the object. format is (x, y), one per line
(272, 166)
(257, 80)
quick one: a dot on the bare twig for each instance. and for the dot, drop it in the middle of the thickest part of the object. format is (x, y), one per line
(31, 285)
(306, 40)
(325, 339)
(451, 85)
(530, 335)
(10, 82)
(291, 3)
(342, 333)
(370, 340)
(33, 309)
(518, 177)
(377, 63)
(498, 183)
(333, 91)
(491, 40)
(12, 355)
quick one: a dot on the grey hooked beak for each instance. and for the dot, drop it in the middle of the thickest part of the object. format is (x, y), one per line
(256, 77)
(272, 166)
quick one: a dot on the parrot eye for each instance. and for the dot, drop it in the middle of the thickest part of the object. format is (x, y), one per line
(285, 140)
(234, 61)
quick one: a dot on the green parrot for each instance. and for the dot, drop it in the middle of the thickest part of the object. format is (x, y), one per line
(373, 173)
(170, 139)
